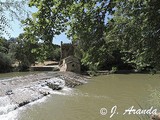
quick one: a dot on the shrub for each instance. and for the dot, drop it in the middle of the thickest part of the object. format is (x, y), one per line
(5, 62)
(114, 69)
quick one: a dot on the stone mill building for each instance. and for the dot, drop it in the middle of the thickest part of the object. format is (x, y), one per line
(68, 61)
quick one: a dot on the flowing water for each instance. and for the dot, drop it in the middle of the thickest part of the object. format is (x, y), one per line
(4, 76)
(116, 93)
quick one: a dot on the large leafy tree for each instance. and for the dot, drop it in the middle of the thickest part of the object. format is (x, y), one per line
(48, 21)
(84, 20)
(24, 51)
(5, 57)
(134, 30)
(100, 27)
(88, 24)
(10, 10)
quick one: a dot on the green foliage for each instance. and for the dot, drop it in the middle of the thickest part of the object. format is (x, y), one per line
(114, 69)
(85, 21)
(134, 29)
(28, 50)
(93, 70)
(101, 27)
(87, 26)
(10, 10)
(5, 63)
(24, 51)
(5, 57)
(48, 21)
(55, 54)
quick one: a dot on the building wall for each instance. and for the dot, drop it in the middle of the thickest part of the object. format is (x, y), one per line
(73, 67)
(67, 49)
(70, 63)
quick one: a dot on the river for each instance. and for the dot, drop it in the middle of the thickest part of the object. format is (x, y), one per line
(115, 93)
(4, 76)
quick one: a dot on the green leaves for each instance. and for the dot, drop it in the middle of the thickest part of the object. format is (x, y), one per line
(10, 10)
(49, 20)
(133, 29)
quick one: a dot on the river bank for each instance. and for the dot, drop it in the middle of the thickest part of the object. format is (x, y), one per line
(19, 91)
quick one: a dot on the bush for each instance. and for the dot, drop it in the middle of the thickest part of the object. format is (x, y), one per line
(93, 70)
(114, 69)
(5, 63)
(56, 54)
(24, 65)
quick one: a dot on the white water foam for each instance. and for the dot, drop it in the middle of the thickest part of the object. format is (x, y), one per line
(10, 116)
(7, 111)
(6, 105)
(64, 91)
(13, 114)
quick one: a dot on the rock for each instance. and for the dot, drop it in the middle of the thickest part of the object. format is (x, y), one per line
(55, 84)
(43, 84)
(23, 103)
(9, 92)
(3, 83)
(24, 96)
(45, 93)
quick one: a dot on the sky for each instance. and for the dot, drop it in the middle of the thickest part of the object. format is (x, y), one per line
(17, 29)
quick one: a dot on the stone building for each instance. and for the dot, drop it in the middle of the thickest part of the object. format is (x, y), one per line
(67, 49)
(68, 61)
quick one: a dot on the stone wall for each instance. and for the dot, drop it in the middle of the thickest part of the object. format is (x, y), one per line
(70, 63)
(67, 49)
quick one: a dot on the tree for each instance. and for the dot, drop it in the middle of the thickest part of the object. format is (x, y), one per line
(101, 27)
(134, 30)
(5, 57)
(9, 10)
(85, 21)
(48, 21)
(87, 26)
(24, 51)
(53, 53)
